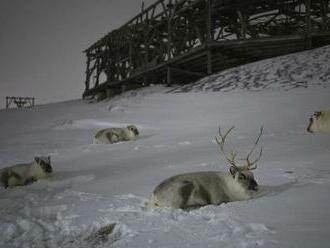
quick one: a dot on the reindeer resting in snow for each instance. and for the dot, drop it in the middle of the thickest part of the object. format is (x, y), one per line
(24, 174)
(319, 122)
(114, 135)
(201, 188)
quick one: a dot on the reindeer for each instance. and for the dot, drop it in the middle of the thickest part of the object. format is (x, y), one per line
(24, 174)
(319, 122)
(114, 135)
(195, 189)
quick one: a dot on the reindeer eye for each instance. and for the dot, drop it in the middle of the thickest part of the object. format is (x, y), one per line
(242, 177)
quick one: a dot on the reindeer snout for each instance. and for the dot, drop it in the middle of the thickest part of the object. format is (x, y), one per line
(309, 129)
(253, 185)
(49, 169)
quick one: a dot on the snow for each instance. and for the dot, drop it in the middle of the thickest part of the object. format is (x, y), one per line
(310, 69)
(94, 186)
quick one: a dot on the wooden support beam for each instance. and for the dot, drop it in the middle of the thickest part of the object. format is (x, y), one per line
(209, 35)
(88, 74)
(187, 72)
(169, 32)
(130, 55)
(209, 61)
(168, 76)
(308, 24)
(7, 102)
(242, 18)
(97, 76)
(209, 20)
(324, 13)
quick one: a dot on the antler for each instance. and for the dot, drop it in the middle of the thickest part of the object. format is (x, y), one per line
(221, 139)
(253, 165)
(250, 165)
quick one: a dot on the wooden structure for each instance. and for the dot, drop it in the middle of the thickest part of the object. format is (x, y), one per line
(180, 41)
(20, 102)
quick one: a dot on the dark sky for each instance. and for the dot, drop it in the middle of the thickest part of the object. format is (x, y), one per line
(41, 43)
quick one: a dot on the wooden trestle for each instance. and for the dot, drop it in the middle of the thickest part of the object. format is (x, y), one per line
(20, 101)
(180, 41)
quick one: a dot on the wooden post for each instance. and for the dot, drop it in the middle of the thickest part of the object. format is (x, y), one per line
(144, 81)
(308, 24)
(97, 76)
(243, 24)
(130, 56)
(123, 88)
(169, 43)
(324, 12)
(209, 61)
(209, 20)
(209, 36)
(169, 31)
(168, 76)
(87, 72)
(146, 43)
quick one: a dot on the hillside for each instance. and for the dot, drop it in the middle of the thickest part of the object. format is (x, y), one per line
(299, 70)
(95, 185)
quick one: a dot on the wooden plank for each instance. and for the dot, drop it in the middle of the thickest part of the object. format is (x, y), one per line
(188, 72)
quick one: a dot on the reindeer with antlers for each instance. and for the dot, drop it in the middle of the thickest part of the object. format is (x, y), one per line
(195, 189)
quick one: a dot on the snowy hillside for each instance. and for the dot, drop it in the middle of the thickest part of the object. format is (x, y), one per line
(94, 186)
(300, 70)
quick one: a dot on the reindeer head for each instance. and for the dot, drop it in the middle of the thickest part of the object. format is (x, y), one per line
(312, 126)
(44, 163)
(133, 129)
(244, 177)
(241, 173)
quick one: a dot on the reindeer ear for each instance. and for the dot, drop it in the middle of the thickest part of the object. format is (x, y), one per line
(233, 170)
(317, 114)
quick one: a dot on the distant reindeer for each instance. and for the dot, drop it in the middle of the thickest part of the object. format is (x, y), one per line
(319, 122)
(23, 174)
(201, 188)
(114, 135)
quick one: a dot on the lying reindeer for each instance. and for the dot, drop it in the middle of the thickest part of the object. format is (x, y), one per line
(114, 135)
(23, 174)
(197, 189)
(319, 122)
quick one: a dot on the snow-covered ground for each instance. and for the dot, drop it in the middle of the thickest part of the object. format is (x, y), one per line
(96, 185)
(308, 69)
